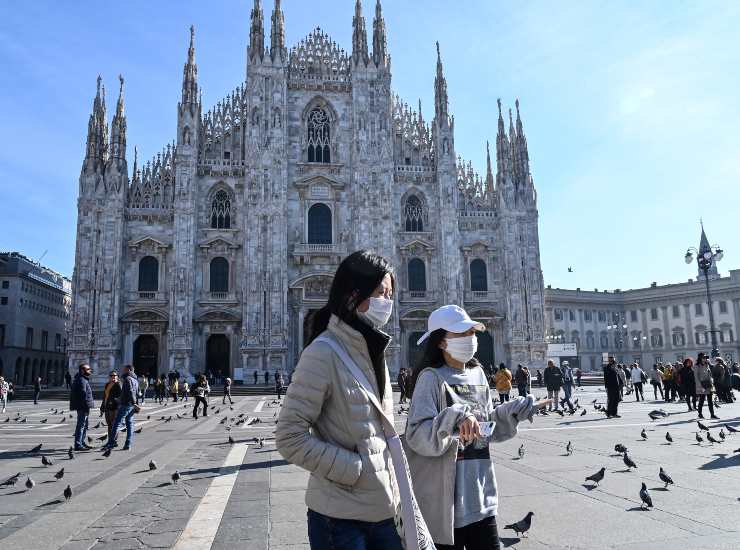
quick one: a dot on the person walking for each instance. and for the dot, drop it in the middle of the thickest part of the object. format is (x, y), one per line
(144, 388)
(668, 382)
(503, 383)
(68, 379)
(227, 392)
(656, 380)
(579, 374)
(129, 406)
(331, 427)
(704, 384)
(279, 385)
(612, 383)
(255, 377)
(553, 381)
(36, 390)
(185, 390)
(201, 389)
(111, 401)
(523, 380)
(81, 400)
(4, 387)
(267, 378)
(444, 438)
(175, 389)
(622, 380)
(718, 376)
(567, 386)
(688, 381)
(402, 380)
(638, 377)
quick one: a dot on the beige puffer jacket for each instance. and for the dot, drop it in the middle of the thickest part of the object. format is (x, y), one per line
(328, 426)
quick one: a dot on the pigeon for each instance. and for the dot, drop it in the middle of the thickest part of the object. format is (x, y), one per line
(152, 465)
(7, 419)
(30, 483)
(619, 448)
(231, 440)
(702, 426)
(731, 429)
(63, 420)
(176, 477)
(569, 448)
(597, 477)
(59, 474)
(138, 430)
(67, 493)
(218, 411)
(178, 416)
(711, 439)
(583, 412)
(46, 461)
(521, 451)
(699, 439)
(593, 402)
(106, 453)
(521, 526)
(97, 426)
(668, 437)
(262, 442)
(721, 434)
(148, 417)
(36, 449)
(24, 420)
(645, 497)
(70, 453)
(665, 478)
(11, 481)
(43, 421)
(89, 439)
(654, 415)
(628, 461)
(643, 434)
(103, 437)
(736, 451)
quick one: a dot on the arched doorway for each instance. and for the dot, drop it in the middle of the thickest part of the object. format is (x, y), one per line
(146, 356)
(485, 350)
(218, 356)
(414, 352)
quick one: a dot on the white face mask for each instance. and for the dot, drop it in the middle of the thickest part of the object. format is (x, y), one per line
(462, 349)
(378, 313)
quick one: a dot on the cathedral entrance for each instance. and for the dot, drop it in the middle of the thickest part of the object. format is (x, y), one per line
(306, 326)
(218, 357)
(146, 351)
(485, 350)
(415, 353)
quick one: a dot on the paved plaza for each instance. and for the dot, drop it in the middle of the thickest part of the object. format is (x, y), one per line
(242, 496)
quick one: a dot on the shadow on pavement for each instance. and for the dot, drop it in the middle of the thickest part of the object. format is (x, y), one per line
(509, 541)
(722, 461)
(638, 509)
(231, 469)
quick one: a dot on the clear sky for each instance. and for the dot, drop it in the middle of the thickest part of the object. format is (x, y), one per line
(630, 108)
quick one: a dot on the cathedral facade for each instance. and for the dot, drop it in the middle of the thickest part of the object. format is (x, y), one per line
(211, 255)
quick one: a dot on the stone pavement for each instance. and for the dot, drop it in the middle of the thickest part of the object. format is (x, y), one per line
(241, 495)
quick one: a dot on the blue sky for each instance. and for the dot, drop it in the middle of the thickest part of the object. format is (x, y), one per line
(630, 109)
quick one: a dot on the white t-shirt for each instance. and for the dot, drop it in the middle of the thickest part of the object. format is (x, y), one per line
(636, 374)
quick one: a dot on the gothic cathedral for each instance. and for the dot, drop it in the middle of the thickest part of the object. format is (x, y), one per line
(211, 255)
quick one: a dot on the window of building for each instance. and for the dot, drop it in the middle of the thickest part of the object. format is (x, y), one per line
(602, 317)
(656, 340)
(417, 276)
(319, 137)
(558, 314)
(478, 276)
(148, 274)
(658, 358)
(414, 214)
(219, 275)
(654, 314)
(604, 340)
(699, 309)
(29, 338)
(678, 338)
(6, 284)
(587, 315)
(675, 312)
(221, 210)
(319, 224)
(590, 341)
(722, 306)
(44, 341)
(4, 300)
(571, 315)
(633, 316)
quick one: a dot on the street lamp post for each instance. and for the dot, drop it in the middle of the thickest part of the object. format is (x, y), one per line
(705, 258)
(620, 335)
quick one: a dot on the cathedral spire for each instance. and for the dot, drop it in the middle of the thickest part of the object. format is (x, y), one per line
(96, 151)
(359, 36)
(256, 33)
(380, 47)
(440, 92)
(503, 151)
(118, 128)
(522, 151)
(190, 95)
(489, 170)
(277, 33)
(514, 155)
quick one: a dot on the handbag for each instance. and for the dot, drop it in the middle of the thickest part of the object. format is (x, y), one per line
(411, 527)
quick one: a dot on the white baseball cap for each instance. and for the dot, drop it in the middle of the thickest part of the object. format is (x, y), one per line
(452, 319)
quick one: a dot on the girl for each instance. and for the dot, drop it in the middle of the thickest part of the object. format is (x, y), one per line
(704, 384)
(448, 452)
(111, 401)
(327, 423)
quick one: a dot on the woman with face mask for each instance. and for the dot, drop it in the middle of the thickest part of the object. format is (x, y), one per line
(446, 437)
(327, 423)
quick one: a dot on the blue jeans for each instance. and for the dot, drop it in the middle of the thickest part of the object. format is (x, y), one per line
(125, 412)
(325, 533)
(81, 428)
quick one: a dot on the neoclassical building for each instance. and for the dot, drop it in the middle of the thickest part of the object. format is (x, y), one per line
(211, 255)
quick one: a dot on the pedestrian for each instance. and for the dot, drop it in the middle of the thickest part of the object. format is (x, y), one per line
(704, 384)
(612, 383)
(402, 380)
(36, 390)
(443, 434)
(638, 377)
(255, 377)
(523, 380)
(279, 387)
(128, 407)
(656, 380)
(678, 381)
(688, 381)
(579, 374)
(201, 389)
(4, 387)
(350, 495)
(622, 381)
(503, 383)
(68, 379)
(554, 381)
(718, 376)
(185, 390)
(175, 389)
(668, 382)
(111, 401)
(539, 378)
(267, 378)
(144, 388)
(567, 385)
(227, 391)
(81, 400)
(11, 391)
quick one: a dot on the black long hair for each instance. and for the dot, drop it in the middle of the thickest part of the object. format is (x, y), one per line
(433, 357)
(356, 279)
